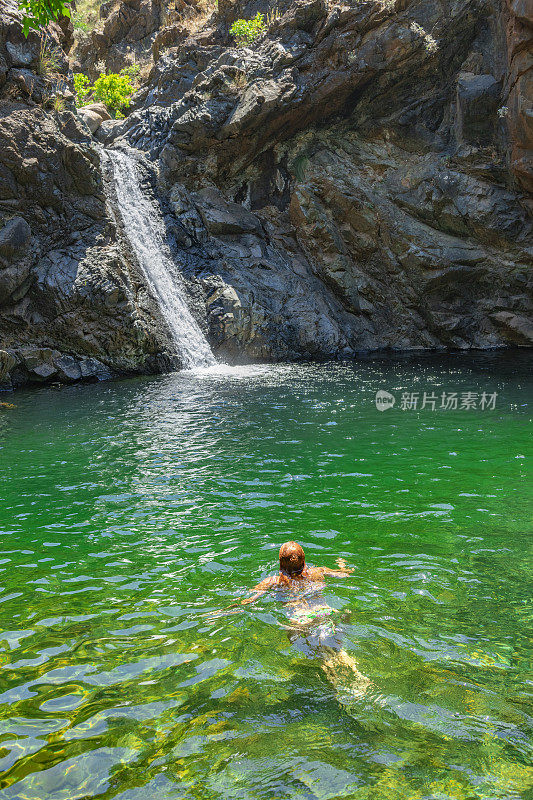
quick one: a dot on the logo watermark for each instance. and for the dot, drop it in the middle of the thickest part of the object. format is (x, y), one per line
(384, 400)
(442, 401)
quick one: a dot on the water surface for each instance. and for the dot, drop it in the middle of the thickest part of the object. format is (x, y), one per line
(130, 510)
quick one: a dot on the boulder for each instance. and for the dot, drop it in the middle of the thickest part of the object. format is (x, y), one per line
(106, 130)
(93, 115)
(90, 118)
(223, 218)
(22, 54)
(97, 108)
(38, 362)
(516, 329)
(14, 237)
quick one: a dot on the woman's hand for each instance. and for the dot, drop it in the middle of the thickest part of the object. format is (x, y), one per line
(342, 564)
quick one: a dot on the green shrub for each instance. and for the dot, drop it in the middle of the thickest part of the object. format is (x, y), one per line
(82, 88)
(246, 31)
(79, 22)
(38, 13)
(133, 71)
(114, 91)
(298, 166)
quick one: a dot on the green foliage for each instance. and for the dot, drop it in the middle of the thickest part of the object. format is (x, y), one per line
(299, 165)
(114, 91)
(79, 22)
(85, 16)
(49, 60)
(38, 13)
(246, 31)
(132, 71)
(82, 88)
(58, 103)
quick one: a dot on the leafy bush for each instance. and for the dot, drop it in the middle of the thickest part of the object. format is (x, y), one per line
(38, 13)
(114, 91)
(246, 31)
(79, 22)
(82, 88)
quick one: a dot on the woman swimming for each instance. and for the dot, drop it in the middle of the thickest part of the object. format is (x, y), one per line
(311, 625)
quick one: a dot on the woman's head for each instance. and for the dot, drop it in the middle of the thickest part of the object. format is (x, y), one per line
(291, 558)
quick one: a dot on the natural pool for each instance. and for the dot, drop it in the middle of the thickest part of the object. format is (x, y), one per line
(130, 509)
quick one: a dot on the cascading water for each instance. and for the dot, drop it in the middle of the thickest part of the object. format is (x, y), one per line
(144, 230)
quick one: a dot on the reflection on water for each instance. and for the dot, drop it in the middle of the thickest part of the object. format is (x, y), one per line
(133, 512)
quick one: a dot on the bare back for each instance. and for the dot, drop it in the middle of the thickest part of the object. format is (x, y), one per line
(295, 582)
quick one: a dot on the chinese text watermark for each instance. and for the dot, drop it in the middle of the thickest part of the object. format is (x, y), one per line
(433, 401)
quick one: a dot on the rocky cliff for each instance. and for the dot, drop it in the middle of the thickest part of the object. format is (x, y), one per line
(72, 305)
(358, 180)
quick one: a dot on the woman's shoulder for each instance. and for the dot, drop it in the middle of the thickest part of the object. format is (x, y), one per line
(315, 574)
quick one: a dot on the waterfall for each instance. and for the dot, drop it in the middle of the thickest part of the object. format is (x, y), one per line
(144, 229)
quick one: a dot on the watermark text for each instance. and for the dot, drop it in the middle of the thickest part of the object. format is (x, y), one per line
(437, 401)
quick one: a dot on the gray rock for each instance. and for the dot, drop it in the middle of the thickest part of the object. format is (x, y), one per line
(517, 329)
(106, 129)
(68, 368)
(27, 81)
(92, 368)
(221, 217)
(7, 362)
(478, 99)
(21, 54)
(14, 237)
(90, 118)
(38, 362)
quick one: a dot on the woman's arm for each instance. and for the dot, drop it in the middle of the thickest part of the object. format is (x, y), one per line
(343, 572)
(259, 590)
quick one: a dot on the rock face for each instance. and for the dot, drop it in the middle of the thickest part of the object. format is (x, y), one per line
(345, 185)
(519, 88)
(28, 68)
(357, 180)
(72, 303)
(127, 32)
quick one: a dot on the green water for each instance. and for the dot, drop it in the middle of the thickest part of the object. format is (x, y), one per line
(131, 509)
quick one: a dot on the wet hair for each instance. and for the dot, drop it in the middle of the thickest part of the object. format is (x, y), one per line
(291, 558)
